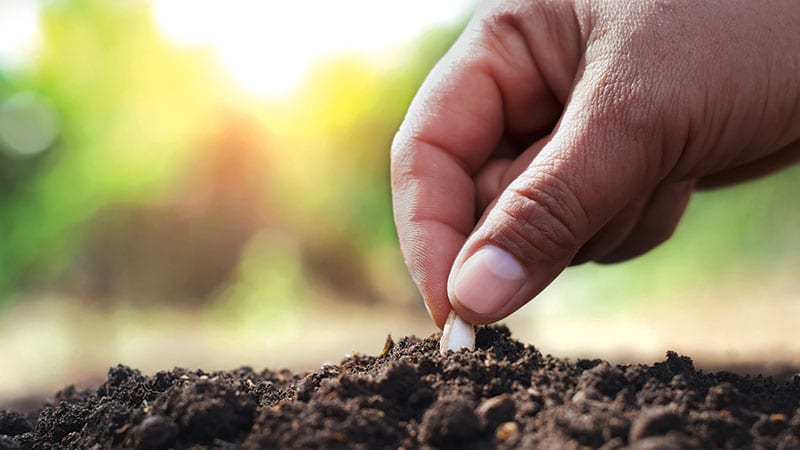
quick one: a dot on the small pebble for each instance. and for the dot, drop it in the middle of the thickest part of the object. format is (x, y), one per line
(506, 431)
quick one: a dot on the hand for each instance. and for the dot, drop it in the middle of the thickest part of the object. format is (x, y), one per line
(558, 132)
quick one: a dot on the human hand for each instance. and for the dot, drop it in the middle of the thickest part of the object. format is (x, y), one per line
(559, 132)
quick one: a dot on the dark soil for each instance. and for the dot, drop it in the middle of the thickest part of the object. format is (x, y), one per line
(501, 395)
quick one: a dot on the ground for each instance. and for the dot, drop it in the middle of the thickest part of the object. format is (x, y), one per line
(503, 394)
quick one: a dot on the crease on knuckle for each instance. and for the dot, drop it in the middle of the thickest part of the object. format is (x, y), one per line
(501, 30)
(423, 220)
(548, 221)
(411, 155)
(400, 165)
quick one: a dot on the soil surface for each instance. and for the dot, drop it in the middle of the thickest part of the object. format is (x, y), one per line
(501, 395)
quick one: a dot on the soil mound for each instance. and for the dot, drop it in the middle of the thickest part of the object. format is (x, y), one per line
(501, 395)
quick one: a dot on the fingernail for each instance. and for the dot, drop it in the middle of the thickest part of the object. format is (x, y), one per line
(488, 280)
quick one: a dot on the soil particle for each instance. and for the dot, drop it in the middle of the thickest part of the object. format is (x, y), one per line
(495, 411)
(153, 432)
(502, 394)
(669, 442)
(507, 431)
(655, 422)
(450, 423)
(603, 379)
(14, 423)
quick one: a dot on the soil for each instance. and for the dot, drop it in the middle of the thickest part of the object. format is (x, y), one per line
(501, 395)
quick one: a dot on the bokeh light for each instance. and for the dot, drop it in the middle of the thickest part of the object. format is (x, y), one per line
(19, 32)
(28, 124)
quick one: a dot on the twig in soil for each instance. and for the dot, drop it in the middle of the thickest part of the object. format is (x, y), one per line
(457, 334)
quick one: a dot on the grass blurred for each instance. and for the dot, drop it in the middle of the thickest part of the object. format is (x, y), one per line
(156, 211)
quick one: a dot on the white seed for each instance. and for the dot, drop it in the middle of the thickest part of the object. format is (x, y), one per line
(457, 334)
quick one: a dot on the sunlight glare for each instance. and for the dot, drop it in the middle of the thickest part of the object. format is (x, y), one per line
(268, 46)
(19, 31)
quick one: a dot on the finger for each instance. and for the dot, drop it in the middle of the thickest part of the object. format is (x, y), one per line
(657, 224)
(489, 182)
(781, 159)
(453, 125)
(432, 186)
(613, 233)
(603, 154)
(496, 175)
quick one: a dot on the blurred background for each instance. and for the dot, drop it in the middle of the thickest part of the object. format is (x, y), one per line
(205, 184)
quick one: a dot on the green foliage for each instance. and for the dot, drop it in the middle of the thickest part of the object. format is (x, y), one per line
(125, 104)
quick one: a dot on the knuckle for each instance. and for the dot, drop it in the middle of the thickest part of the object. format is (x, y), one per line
(544, 222)
(397, 147)
(404, 161)
(398, 161)
(504, 21)
(510, 28)
(499, 22)
(502, 38)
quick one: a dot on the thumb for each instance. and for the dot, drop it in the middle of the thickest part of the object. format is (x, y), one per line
(604, 152)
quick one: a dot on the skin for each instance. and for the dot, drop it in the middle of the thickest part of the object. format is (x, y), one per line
(566, 131)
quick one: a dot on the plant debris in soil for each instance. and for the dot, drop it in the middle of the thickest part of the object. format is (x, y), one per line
(502, 394)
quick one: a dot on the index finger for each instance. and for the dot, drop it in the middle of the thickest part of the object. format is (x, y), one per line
(442, 142)
(485, 86)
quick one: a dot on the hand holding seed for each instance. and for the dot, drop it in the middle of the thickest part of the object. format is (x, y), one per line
(554, 133)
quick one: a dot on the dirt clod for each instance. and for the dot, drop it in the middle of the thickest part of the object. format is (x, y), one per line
(154, 432)
(502, 394)
(496, 410)
(655, 422)
(450, 423)
(13, 423)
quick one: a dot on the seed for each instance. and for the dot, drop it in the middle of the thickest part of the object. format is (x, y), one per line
(457, 334)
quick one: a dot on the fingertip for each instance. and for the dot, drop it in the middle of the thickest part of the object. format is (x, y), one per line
(438, 312)
(484, 284)
(473, 317)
